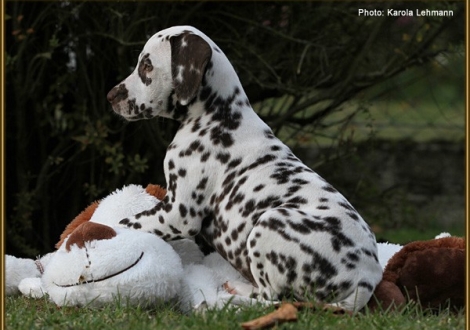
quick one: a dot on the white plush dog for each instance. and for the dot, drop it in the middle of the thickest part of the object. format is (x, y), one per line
(99, 263)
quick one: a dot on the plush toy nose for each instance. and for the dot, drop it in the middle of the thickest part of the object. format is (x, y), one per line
(87, 232)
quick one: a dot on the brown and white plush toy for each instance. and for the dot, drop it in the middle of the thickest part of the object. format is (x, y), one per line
(98, 262)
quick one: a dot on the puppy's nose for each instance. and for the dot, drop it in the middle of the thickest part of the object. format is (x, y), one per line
(117, 94)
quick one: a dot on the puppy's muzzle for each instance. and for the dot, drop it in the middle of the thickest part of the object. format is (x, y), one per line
(117, 94)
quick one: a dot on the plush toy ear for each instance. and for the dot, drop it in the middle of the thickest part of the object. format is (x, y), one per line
(87, 232)
(156, 191)
(84, 216)
(189, 57)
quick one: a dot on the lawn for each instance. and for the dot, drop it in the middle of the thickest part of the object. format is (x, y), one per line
(24, 313)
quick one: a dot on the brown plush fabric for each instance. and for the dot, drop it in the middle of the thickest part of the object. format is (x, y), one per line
(431, 273)
(434, 277)
(387, 296)
(392, 270)
(87, 232)
(85, 215)
(156, 190)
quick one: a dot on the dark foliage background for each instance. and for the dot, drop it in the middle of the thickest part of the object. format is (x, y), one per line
(66, 148)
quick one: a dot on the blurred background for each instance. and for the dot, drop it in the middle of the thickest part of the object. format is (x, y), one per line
(376, 105)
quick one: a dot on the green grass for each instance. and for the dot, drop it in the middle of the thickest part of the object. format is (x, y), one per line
(406, 235)
(25, 313)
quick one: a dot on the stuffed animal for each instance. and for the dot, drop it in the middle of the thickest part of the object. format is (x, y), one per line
(97, 262)
(431, 273)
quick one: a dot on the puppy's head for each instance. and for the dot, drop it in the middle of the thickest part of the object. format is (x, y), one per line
(167, 78)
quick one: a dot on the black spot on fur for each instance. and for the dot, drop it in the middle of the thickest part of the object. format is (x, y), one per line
(174, 230)
(258, 187)
(218, 136)
(205, 156)
(366, 285)
(249, 207)
(192, 232)
(223, 157)
(196, 126)
(269, 134)
(183, 210)
(234, 163)
(202, 183)
(353, 216)
(339, 240)
(329, 188)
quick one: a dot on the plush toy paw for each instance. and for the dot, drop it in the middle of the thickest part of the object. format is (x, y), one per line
(32, 287)
(16, 270)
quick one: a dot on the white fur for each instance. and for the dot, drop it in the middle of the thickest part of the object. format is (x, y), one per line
(386, 252)
(127, 201)
(16, 270)
(442, 235)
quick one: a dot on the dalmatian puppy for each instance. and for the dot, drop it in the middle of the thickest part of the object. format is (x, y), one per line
(233, 183)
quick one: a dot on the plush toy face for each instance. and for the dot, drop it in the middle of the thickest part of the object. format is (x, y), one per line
(98, 264)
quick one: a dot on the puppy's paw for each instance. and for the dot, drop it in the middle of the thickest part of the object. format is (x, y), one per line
(240, 288)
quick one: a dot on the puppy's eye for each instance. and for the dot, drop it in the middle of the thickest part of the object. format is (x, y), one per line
(145, 66)
(148, 65)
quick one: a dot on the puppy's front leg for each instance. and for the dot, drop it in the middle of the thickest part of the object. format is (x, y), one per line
(173, 218)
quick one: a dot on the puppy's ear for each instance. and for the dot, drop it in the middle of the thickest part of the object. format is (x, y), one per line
(189, 57)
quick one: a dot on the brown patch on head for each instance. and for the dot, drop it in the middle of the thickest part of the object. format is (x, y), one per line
(87, 232)
(84, 216)
(190, 55)
(145, 66)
